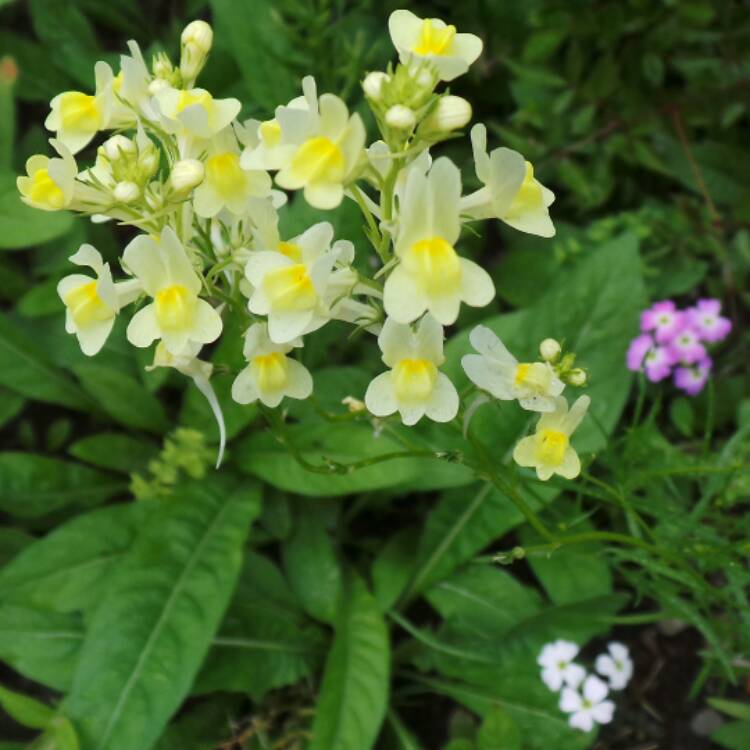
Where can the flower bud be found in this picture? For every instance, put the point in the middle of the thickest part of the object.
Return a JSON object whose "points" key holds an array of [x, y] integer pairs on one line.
{"points": [[550, 350], [126, 192], [162, 66], [400, 117], [117, 146], [354, 405], [199, 34], [450, 113], [148, 162], [157, 85], [197, 38], [186, 175], [373, 85], [577, 377]]}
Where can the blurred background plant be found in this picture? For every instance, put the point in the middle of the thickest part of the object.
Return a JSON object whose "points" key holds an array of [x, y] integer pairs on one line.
{"points": [[635, 112]]}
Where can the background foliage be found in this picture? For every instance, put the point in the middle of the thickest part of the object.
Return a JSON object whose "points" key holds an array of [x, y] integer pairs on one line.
{"points": [[288, 597]]}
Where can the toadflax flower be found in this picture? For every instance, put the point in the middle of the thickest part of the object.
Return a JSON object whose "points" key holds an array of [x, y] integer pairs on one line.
{"points": [[177, 315], [549, 450], [270, 375], [413, 386], [431, 276], [663, 319], [195, 112], [497, 371], [558, 668], [511, 193], [49, 184], [706, 319], [616, 665], [91, 304], [589, 707], [432, 40]]}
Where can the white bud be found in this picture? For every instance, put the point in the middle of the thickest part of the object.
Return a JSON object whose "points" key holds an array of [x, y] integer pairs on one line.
{"points": [[126, 192], [400, 117], [373, 85], [354, 405], [199, 34], [148, 161], [157, 85], [577, 377], [196, 44], [162, 66], [186, 175], [550, 350], [117, 146], [424, 78], [450, 113]]}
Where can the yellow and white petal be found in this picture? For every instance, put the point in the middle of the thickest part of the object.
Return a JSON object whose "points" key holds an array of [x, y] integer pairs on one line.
{"points": [[177, 263], [444, 307], [207, 323], [537, 222], [570, 467], [143, 328], [404, 28], [403, 298], [429, 340], [443, 404], [300, 382], [445, 186], [396, 342], [380, 397], [244, 390], [477, 288], [524, 454]]}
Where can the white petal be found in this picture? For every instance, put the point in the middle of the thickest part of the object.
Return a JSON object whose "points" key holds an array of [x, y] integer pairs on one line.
{"points": [[574, 675], [179, 268], [143, 329], [323, 195], [380, 397], [445, 188], [411, 413], [605, 665], [581, 720], [300, 382], [142, 259], [603, 712], [552, 678], [395, 341], [532, 222], [508, 171], [429, 340], [243, 387], [477, 289], [402, 298], [93, 337], [570, 700], [207, 326], [619, 651], [443, 404], [286, 325], [594, 689], [404, 27], [487, 376], [485, 341]]}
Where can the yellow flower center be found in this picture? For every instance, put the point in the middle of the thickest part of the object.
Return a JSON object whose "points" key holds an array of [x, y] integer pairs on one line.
{"points": [[86, 306], [433, 40], [529, 196], [271, 371], [270, 132], [195, 96], [414, 379], [79, 112], [550, 447], [319, 159], [534, 376], [435, 263], [290, 288], [175, 308], [224, 173], [291, 250], [45, 191]]}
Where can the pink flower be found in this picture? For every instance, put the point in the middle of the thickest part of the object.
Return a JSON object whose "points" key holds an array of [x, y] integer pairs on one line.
{"points": [[686, 347], [658, 364], [693, 379], [705, 318], [664, 319], [637, 350]]}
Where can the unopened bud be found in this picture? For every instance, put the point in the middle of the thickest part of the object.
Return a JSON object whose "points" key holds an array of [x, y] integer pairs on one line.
{"points": [[354, 404], [162, 66], [157, 85], [450, 113], [550, 350], [126, 192], [117, 146], [197, 38], [148, 161], [186, 175], [577, 377], [373, 85], [400, 117]]}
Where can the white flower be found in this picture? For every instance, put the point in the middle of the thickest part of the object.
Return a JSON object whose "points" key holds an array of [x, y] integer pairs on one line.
{"points": [[177, 315], [195, 111], [77, 117], [431, 276], [91, 304], [558, 668], [498, 372], [588, 708], [226, 184], [290, 282], [433, 40], [270, 375], [328, 143], [616, 666], [510, 192], [49, 184], [413, 386], [549, 450]]}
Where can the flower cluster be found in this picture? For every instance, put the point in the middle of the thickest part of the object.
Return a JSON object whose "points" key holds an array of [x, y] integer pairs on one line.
{"points": [[673, 342], [204, 191], [585, 696]]}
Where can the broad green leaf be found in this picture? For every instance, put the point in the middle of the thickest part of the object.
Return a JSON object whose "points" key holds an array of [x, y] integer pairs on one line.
{"points": [[735, 709], [391, 569], [151, 632], [26, 711], [114, 451], [310, 561], [354, 693], [498, 732], [205, 726], [10, 405], [735, 735], [32, 485], [12, 541]]}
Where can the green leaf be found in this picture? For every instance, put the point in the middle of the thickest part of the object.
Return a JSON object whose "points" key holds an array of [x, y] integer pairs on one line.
{"points": [[392, 568], [22, 226], [164, 603], [27, 370], [114, 451], [10, 405], [498, 732], [12, 541], [735, 709], [735, 735], [311, 563], [354, 693], [32, 486], [26, 711]]}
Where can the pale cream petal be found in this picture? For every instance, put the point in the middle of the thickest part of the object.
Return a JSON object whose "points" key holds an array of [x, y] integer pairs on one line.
{"points": [[314, 241], [416, 212], [486, 342], [243, 387], [395, 341], [143, 329], [429, 340], [353, 143], [67, 284], [445, 189], [411, 413], [179, 268], [143, 260], [93, 337], [466, 46], [403, 300], [444, 308], [524, 454], [449, 67], [508, 171], [404, 28], [334, 116], [477, 289], [260, 263], [479, 148], [324, 195], [300, 382], [380, 397], [88, 255], [207, 325], [533, 222], [570, 467], [206, 201], [577, 413], [443, 404], [287, 325], [487, 376]]}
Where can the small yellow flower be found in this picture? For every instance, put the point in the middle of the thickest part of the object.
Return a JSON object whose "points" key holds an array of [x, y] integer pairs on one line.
{"points": [[195, 112], [50, 183]]}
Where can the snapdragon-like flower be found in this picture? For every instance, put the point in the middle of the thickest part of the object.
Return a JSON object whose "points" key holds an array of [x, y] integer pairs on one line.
{"points": [[588, 707], [705, 318], [616, 665], [495, 370], [270, 375], [49, 184], [549, 450], [413, 386], [177, 315], [558, 667], [328, 144], [225, 183], [290, 282], [431, 276], [511, 193], [91, 304], [195, 112], [432, 40]]}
